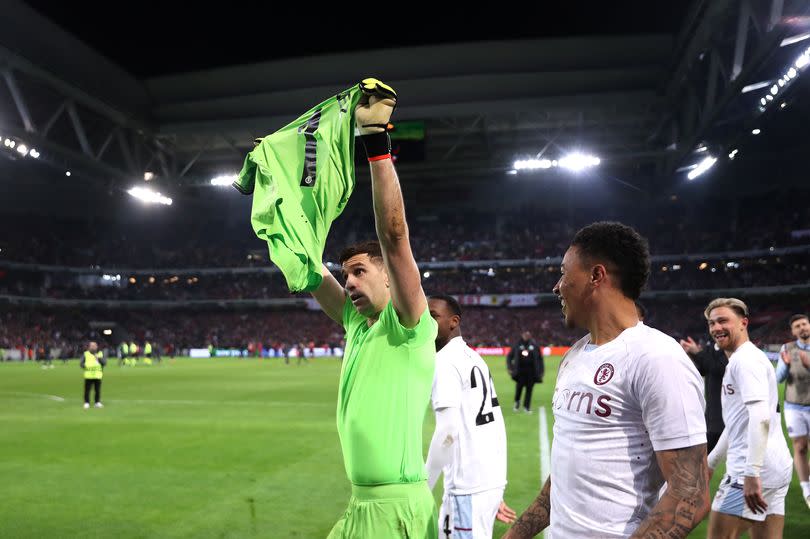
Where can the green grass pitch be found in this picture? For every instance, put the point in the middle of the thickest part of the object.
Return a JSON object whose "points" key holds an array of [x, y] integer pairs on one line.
{"points": [[208, 448]]}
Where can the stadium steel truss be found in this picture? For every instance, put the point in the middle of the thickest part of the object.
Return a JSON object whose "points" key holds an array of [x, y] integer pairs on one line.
{"points": [[642, 103]]}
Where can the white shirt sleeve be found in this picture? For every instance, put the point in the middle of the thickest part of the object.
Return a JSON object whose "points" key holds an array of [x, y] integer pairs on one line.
{"points": [[782, 368], [447, 385], [759, 423], [669, 392], [751, 378], [440, 453]]}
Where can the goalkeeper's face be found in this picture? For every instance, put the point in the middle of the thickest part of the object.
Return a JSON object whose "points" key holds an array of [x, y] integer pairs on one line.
{"points": [[366, 284]]}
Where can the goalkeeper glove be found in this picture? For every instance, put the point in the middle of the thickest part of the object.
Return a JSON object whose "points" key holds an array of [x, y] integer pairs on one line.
{"points": [[372, 115]]}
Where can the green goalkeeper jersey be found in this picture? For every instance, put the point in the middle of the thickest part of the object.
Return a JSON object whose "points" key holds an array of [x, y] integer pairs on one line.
{"points": [[385, 386], [301, 178]]}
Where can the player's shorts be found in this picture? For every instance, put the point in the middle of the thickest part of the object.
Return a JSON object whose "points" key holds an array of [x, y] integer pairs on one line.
{"points": [[729, 500], [797, 420], [401, 510], [469, 516]]}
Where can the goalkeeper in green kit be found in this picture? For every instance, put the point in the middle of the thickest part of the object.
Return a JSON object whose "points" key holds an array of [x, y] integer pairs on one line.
{"points": [[387, 372]]}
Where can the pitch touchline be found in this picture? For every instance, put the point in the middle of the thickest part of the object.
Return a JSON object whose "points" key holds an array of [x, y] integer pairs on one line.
{"points": [[545, 451], [545, 448], [35, 395], [220, 403], [174, 401]]}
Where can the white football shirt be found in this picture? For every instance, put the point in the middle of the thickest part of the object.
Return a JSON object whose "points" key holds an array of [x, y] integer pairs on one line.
{"points": [[750, 377], [614, 406], [462, 380]]}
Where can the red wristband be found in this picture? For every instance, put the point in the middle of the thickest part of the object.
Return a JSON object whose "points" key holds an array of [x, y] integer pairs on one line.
{"points": [[379, 158]]}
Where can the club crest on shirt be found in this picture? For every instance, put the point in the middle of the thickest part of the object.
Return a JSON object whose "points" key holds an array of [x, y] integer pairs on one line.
{"points": [[603, 374]]}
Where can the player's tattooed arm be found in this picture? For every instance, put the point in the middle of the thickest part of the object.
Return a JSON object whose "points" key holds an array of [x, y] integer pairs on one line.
{"points": [[404, 279], [686, 501], [534, 519]]}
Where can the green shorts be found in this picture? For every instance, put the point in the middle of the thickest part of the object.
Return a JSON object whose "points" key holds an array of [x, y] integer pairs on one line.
{"points": [[400, 510]]}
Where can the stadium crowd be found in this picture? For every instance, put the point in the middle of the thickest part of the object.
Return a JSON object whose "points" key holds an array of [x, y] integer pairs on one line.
{"points": [[685, 275], [439, 235], [681, 229], [179, 329]]}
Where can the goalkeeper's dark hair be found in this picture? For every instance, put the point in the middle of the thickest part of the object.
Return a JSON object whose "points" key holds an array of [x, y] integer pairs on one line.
{"points": [[370, 247], [797, 317], [452, 303], [621, 249]]}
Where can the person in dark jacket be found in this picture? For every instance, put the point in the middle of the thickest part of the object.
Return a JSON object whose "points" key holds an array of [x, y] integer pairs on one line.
{"points": [[525, 365], [711, 363]]}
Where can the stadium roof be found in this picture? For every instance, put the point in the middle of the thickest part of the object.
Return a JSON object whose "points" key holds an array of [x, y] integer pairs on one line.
{"points": [[184, 95]]}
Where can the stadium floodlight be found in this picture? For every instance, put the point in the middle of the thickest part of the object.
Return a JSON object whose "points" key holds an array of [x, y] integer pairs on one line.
{"points": [[755, 86], [702, 167], [703, 266], [426, 274], [11, 143], [676, 267], [733, 153], [511, 172], [148, 176], [701, 149], [22, 149], [577, 162], [67, 173], [107, 332], [223, 181], [756, 131], [148, 196], [782, 105], [794, 39], [34, 153], [532, 164], [786, 79]]}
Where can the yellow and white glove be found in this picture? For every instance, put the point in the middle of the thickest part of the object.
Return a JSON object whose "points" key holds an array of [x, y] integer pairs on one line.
{"points": [[372, 115], [375, 106]]}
